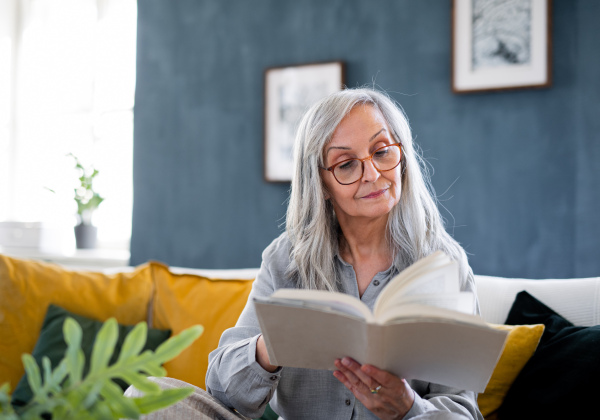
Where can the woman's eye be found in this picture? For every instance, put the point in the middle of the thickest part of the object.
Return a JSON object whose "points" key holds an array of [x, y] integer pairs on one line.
{"points": [[347, 166], [382, 152]]}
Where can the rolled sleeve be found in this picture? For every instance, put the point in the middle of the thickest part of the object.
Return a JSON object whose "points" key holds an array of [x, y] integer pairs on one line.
{"points": [[445, 399], [242, 383]]}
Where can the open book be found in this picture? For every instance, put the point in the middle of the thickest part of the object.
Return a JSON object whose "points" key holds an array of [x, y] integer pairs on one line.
{"points": [[421, 327]]}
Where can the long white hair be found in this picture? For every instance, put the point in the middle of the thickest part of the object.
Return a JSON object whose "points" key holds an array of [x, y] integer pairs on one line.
{"points": [[415, 228]]}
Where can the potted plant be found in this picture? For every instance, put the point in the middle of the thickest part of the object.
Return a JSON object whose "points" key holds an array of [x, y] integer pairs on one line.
{"points": [[88, 201]]}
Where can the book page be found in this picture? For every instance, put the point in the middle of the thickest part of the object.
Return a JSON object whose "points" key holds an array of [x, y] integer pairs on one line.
{"points": [[460, 302], [334, 301], [443, 279], [435, 274], [417, 312]]}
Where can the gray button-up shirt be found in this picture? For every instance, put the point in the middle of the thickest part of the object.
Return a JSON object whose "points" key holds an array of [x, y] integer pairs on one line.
{"points": [[235, 378]]}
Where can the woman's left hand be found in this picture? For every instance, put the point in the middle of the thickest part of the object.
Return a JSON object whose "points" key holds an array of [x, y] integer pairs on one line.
{"points": [[384, 394]]}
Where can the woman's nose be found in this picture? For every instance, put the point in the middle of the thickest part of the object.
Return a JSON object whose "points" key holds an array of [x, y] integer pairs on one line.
{"points": [[370, 172]]}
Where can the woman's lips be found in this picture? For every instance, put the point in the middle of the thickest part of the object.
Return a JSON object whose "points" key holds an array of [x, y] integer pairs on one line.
{"points": [[376, 194]]}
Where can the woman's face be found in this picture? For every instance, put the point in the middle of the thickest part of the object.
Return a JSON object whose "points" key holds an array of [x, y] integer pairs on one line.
{"points": [[359, 134]]}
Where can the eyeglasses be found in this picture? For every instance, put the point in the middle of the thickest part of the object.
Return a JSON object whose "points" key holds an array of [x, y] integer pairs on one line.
{"points": [[383, 159]]}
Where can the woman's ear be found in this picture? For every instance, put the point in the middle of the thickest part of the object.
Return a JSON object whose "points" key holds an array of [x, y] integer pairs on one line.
{"points": [[326, 194]]}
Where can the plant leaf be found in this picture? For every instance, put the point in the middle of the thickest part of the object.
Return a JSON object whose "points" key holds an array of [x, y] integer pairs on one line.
{"points": [[153, 370], [50, 384], [60, 372], [134, 342], [78, 373], [104, 345], [118, 403], [4, 393], [33, 373], [64, 395], [175, 345], [59, 408], [102, 411], [75, 396], [92, 396], [150, 403], [6, 410], [72, 333], [47, 370], [140, 381]]}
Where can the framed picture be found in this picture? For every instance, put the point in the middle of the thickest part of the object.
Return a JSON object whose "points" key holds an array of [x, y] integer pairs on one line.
{"points": [[289, 92], [499, 44]]}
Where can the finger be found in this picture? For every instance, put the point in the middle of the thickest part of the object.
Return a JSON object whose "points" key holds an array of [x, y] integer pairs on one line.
{"points": [[372, 402], [349, 374], [347, 383], [344, 380], [356, 368], [386, 379], [386, 405], [352, 378], [378, 405]]}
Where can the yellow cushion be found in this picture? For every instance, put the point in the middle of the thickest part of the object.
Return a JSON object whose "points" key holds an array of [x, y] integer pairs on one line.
{"points": [[520, 345], [28, 287], [183, 300]]}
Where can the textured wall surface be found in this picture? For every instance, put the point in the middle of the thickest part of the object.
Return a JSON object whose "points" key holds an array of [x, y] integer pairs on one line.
{"points": [[516, 172]]}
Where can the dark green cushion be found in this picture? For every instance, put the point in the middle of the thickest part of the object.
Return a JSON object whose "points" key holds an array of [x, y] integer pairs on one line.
{"points": [[52, 344]]}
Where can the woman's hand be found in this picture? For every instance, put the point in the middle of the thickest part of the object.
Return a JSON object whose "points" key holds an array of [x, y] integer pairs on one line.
{"points": [[384, 394], [262, 357]]}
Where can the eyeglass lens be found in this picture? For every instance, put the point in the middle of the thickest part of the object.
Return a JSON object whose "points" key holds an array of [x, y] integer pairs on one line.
{"points": [[383, 159]]}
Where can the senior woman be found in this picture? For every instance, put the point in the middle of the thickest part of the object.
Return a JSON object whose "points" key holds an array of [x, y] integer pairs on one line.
{"points": [[360, 211]]}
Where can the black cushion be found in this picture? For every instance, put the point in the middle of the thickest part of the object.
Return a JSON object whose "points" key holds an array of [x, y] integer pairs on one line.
{"points": [[564, 372]]}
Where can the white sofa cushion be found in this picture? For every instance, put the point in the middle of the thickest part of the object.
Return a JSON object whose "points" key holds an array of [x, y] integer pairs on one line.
{"points": [[223, 274], [577, 300]]}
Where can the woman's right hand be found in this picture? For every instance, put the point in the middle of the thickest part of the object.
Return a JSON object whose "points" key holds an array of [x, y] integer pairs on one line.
{"points": [[262, 357], [381, 392]]}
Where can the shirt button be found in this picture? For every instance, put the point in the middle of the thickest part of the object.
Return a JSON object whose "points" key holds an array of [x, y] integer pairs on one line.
{"points": [[376, 282], [274, 377], [348, 402]]}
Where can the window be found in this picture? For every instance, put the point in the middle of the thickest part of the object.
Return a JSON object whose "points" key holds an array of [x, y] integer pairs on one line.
{"points": [[67, 82]]}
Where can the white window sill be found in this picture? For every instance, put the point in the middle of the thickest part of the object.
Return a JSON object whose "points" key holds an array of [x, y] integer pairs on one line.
{"points": [[82, 259]]}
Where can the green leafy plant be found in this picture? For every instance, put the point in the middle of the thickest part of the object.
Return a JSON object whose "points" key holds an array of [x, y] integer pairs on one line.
{"points": [[87, 199], [65, 394]]}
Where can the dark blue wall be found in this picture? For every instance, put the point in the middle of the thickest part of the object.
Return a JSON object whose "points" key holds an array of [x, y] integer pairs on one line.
{"points": [[517, 171]]}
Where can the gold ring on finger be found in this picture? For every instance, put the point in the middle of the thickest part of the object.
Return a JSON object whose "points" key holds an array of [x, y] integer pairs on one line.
{"points": [[375, 390]]}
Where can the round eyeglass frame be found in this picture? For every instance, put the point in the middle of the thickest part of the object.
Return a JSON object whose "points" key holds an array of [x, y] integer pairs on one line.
{"points": [[362, 162]]}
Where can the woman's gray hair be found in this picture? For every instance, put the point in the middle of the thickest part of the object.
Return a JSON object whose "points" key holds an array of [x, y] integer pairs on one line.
{"points": [[415, 228]]}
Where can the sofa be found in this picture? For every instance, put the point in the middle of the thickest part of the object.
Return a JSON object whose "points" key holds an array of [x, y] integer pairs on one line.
{"points": [[172, 299]]}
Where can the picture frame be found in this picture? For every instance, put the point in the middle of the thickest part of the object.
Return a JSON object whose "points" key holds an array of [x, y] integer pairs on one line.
{"points": [[500, 45], [289, 92]]}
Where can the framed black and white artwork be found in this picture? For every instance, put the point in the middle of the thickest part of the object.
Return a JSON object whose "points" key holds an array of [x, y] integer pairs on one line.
{"points": [[289, 92], [500, 44]]}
